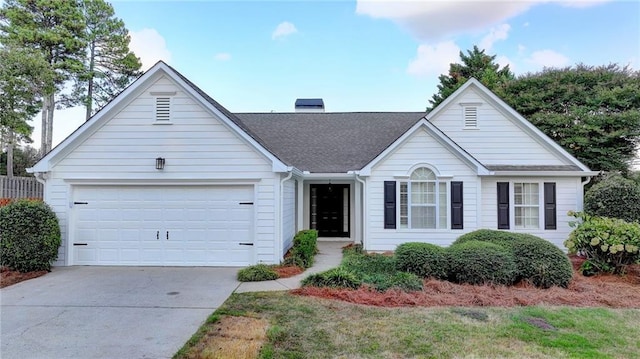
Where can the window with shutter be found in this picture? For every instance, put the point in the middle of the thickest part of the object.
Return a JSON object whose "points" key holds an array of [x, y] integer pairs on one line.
{"points": [[503, 205], [549, 205], [390, 204], [457, 219]]}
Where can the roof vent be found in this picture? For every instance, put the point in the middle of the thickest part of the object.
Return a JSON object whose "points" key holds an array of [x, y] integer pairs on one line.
{"points": [[309, 105]]}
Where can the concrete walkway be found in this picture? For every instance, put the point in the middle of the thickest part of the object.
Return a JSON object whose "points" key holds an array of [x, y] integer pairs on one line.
{"points": [[329, 256]]}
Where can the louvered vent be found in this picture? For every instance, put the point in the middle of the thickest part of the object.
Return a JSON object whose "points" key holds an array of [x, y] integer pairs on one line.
{"points": [[163, 108], [470, 117]]}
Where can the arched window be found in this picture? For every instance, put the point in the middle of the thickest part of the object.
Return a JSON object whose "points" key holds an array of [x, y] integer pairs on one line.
{"points": [[423, 201]]}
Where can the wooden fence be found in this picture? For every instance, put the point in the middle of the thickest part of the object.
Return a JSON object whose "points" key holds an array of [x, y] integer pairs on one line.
{"points": [[20, 187]]}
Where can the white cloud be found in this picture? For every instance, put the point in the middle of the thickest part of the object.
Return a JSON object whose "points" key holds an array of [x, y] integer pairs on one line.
{"points": [[495, 34], [223, 56], [150, 47], [437, 19], [547, 58], [283, 29], [504, 61], [434, 60]]}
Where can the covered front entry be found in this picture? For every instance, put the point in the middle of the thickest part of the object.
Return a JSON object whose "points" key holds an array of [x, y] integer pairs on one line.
{"points": [[330, 210]]}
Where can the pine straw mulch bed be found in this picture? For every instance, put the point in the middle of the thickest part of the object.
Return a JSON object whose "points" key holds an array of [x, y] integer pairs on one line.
{"points": [[287, 271], [604, 290], [9, 277]]}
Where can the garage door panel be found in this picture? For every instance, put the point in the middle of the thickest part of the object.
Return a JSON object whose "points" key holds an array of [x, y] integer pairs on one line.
{"points": [[129, 225]]}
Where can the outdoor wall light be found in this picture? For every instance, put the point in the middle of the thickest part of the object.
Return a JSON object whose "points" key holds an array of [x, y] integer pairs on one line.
{"points": [[160, 163]]}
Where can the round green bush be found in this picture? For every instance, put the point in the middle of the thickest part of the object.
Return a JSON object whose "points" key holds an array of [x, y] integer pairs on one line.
{"points": [[614, 197], [29, 236], [422, 259], [484, 235], [257, 273], [477, 262], [338, 277], [540, 262]]}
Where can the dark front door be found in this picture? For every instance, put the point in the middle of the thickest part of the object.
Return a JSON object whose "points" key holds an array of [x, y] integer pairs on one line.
{"points": [[330, 209]]}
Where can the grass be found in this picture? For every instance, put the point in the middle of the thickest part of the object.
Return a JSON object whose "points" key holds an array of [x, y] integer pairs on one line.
{"points": [[308, 327]]}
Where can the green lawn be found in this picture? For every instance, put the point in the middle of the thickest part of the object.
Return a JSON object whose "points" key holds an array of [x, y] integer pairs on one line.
{"points": [[306, 327]]}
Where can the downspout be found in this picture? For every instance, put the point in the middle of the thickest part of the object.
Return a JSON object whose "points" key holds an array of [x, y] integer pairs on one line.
{"points": [[584, 183], [281, 212], [364, 207]]}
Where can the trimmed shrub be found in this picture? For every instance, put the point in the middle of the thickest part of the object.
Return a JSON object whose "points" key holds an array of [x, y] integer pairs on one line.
{"points": [[404, 281], [29, 236], [609, 244], [614, 197], [335, 278], [539, 261], [422, 259], [477, 262], [257, 273], [363, 264], [484, 235], [305, 247]]}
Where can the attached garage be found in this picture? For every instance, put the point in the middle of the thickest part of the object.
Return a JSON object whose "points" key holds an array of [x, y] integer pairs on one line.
{"points": [[163, 225]]}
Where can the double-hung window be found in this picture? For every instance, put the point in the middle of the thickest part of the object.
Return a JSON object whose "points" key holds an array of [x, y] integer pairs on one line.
{"points": [[526, 205], [532, 205], [423, 201]]}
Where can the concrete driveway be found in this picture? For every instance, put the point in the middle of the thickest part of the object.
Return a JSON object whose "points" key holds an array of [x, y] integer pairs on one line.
{"points": [[109, 312]]}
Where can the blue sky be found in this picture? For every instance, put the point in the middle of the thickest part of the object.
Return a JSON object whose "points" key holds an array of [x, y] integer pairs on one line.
{"points": [[259, 56]]}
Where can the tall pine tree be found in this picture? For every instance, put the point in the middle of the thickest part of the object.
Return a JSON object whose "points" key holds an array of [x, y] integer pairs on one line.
{"points": [[475, 64], [108, 65], [55, 29]]}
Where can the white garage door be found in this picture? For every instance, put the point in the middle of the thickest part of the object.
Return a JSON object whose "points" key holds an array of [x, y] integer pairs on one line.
{"points": [[163, 225]]}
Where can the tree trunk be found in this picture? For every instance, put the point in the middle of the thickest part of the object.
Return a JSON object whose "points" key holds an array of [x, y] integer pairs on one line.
{"points": [[89, 102], [43, 135], [50, 121], [10, 144]]}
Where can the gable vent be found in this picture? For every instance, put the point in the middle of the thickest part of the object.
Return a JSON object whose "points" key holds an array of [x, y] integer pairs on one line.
{"points": [[470, 117], [163, 108]]}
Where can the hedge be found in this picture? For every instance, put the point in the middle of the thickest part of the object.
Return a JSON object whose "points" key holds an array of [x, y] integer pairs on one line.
{"points": [[29, 236], [614, 197], [422, 259], [477, 262]]}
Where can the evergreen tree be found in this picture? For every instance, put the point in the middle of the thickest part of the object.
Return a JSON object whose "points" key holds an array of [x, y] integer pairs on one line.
{"points": [[108, 65], [475, 64], [593, 112], [24, 76], [56, 30]]}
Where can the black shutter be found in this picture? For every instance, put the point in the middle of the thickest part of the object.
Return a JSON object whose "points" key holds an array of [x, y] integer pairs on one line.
{"points": [[456, 206], [390, 204], [503, 205], [549, 205]]}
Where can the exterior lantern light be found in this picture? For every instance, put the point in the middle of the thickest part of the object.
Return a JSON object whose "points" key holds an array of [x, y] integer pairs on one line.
{"points": [[160, 163]]}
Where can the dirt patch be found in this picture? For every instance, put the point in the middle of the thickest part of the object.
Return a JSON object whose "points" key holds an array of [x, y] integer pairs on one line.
{"points": [[287, 271], [604, 290], [232, 337], [9, 277], [540, 323]]}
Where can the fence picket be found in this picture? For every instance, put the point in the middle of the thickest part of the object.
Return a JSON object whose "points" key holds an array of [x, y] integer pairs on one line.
{"points": [[20, 187]]}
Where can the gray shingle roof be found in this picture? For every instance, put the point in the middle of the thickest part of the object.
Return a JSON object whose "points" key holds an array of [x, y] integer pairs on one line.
{"points": [[533, 168], [330, 142]]}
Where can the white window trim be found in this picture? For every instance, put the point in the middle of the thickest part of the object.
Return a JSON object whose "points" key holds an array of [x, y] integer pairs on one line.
{"points": [[438, 181], [512, 206]]}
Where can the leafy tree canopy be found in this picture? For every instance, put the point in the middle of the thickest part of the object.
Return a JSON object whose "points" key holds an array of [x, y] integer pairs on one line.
{"points": [[475, 64], [23, 158], [591, 111]]}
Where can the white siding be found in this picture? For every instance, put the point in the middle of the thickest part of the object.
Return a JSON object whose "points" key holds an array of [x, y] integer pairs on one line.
{"points": [[568, 198], [497, 139], [196, 145], [288, 214], [421, 148]]}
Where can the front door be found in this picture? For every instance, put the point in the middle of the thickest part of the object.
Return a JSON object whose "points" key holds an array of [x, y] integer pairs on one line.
{"points": [[330, 209]]}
